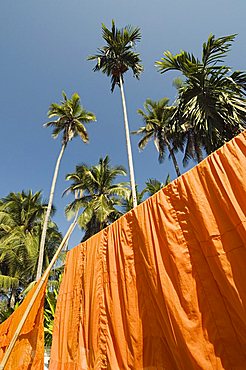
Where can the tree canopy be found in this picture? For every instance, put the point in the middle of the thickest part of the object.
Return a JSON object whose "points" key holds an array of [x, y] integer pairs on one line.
{"points": [[98, 194], [117, 56], [211, 101]]}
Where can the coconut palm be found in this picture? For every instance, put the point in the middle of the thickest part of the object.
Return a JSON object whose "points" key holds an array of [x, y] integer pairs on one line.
{"points": [[157, 117], [71, 117], [127, 202], [115, 59], [211, 101], [189, 141], [21, 220], [99, 195], [154, 185]]}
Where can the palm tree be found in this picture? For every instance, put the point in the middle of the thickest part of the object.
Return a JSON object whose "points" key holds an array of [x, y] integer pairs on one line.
{"points": [[211, 101], [154, 185], [115, 59], [70, 122], [127, 202], [189, 141], [159, 126], [99, 195], [21, 220]]}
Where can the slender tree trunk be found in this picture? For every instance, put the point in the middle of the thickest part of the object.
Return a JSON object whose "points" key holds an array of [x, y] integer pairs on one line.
{"points": [[47, 215], [128, 145], [12, 298], [175, 163], [196, 143], [198, 152]]}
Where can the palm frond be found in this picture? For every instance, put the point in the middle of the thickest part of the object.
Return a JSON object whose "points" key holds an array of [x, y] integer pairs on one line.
{"points": [[8, 282], [214, 50], [71, 117], [117, 57]]}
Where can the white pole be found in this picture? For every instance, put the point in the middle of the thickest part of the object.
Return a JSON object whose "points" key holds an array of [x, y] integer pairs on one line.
{"points": [[128, 144]]}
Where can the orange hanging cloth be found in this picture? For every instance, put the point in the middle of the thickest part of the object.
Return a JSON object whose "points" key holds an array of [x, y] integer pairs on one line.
{"points": [[164, 286], [28, 352]]}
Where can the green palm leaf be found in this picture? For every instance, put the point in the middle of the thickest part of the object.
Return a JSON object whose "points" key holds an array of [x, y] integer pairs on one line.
{"points": [[71, 118], [116, 57], [100, 194], [211, 101]]}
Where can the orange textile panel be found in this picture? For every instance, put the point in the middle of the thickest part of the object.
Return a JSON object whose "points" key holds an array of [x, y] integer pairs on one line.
{"points": [[28, 352], [164, 287]]}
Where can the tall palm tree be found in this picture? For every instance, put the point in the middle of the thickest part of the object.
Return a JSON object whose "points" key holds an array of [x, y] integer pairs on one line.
{"points": [[99, 195], [211, 101], [21, 220], [115, 59], [159, 126], [70, 122]]}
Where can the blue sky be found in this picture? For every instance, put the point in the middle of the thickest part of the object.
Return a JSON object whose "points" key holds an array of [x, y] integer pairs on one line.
{"points": [[44, 46]]}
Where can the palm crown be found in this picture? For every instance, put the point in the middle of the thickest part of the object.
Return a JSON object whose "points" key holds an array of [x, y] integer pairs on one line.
{"points": [[71, 118], [212, 99], [158, 119], [154, 185], [117, 57], [26, 209], [98, 194], [21, 219]]}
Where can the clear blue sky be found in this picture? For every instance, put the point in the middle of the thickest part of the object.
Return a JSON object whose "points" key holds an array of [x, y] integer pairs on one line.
{"points": [[44, 45]]}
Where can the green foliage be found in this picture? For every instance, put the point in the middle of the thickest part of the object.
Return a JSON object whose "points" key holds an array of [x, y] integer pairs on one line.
{"points": [[211, 103], [21, 220], [158, 119], [49, 313], [5, 310], [99, 195], [116, 57], [71, 118], [154, 185], [127, 202], [8, 282]]}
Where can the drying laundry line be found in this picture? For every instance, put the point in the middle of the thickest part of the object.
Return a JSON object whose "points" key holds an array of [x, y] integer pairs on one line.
{"points": [[40, 284]]}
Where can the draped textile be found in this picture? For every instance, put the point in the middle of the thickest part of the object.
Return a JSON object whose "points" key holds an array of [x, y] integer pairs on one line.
{"points": [[28, 352], [164, 287]]}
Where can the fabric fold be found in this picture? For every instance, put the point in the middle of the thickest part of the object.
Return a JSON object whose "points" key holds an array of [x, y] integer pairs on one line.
{"points": [[28, 351], [164, 286]]}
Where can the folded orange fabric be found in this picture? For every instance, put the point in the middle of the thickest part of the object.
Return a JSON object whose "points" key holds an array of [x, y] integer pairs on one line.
{"points": [[164, 286], [28, 352]]}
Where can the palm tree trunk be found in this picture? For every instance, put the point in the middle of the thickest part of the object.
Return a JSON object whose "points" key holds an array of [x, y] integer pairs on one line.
{"points": [[175, 163], [198, 152], [47, 215], [128, 145], [12, 299]]}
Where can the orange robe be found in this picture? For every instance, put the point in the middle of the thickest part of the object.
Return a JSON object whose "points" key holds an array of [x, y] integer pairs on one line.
{"points": [[164, 287], [28, 352]]}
